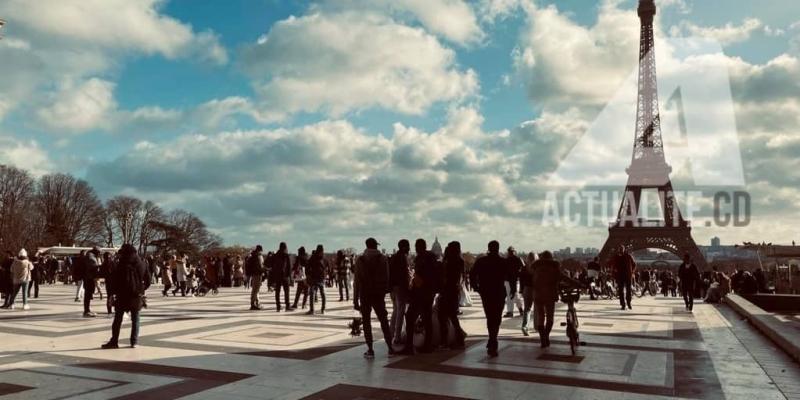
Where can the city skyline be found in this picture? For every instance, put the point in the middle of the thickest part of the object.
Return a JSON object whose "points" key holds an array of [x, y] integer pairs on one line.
{"points": [[274, 122]]}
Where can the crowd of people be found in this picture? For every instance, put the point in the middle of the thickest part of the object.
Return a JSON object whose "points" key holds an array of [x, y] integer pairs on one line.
{"points": [[424, 289]]}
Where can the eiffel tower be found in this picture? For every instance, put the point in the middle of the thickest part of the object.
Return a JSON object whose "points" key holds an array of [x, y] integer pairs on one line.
{"points": [[649, 169]]}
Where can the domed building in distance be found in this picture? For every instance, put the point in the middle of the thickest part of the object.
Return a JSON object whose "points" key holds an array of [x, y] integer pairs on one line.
{"points": [[436, 248]]}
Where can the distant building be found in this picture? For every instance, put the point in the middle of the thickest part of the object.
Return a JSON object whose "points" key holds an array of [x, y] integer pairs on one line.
{"points": [[436, 248], [715, 242]]}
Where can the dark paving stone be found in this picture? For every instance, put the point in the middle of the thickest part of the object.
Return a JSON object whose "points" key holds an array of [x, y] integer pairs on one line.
{"points": [[353, 392], [9, 388]]}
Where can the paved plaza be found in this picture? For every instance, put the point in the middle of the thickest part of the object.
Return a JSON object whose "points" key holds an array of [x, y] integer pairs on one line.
{"points": [[214, 348]]}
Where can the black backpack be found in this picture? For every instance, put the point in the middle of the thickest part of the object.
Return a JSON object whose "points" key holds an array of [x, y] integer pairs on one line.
{"points": [[129, 279], [252, 267]]}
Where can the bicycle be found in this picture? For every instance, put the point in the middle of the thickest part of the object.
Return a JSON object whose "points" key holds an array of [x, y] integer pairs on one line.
{"points": [[570, 296]]}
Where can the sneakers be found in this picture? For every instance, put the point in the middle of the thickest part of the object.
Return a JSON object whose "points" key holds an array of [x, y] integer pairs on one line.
{"points": [[629, 306], [322, 312], [26, 307], [110, 345], [89, 315], [133, 345], [524, 331], [309, 312], [508, 315], [492, 353], [369, 355]]}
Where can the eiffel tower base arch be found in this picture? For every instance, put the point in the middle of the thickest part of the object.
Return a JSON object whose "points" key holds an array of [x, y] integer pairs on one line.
{"points": [[676, 240]]}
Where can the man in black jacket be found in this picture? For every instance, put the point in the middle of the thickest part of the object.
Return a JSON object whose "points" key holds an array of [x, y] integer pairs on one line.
{"points": [[315, 274], [514, 265], [371, 286], [423, 289], [281, 271], [689, 275], [129, 281], [488, 277]]}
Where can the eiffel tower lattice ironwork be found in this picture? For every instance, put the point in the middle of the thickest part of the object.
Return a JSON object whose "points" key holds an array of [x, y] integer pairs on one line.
{"points": [[649, 169]]}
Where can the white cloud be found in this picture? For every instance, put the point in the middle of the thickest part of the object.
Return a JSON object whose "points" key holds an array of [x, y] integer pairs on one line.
{"points": [[493, 10], [349, 61], [726, 34], [454, 20], [564, 62], [27, 155], [110, 24], [80, 107], [50, 42]]}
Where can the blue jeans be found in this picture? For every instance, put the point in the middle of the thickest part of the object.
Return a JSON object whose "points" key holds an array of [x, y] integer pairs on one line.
{"points": [[17, 287], [317, 287]]}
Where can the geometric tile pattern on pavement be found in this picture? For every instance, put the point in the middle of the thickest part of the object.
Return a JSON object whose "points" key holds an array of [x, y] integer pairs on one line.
{"points": [[215, 348]]}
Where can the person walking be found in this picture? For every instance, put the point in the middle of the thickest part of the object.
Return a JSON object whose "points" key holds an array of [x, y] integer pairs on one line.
{"points": [[181, 273], [488, 277], [399, 281], [624, 267], [448, 295], [423, 289], [91, 271], [689, 275], [21, 271], [6, 281], [317, 265], [78, 267], [369, 293], [528, 292], [342, 272], [281, 274], [37, 275], [254, 266], [299, 276], [105, 272], [129, 282], [593, 274], [546, 277], [514, 267], [166, 274]]}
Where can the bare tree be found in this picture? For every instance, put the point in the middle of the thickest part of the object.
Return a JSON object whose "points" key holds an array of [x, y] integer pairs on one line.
{"points": [[71, 211], [18, 226], [151, 214], [126, 214]]}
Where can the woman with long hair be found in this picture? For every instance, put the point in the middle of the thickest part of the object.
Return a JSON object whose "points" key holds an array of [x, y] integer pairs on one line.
{"points": [[449, 293], [299, 276]]}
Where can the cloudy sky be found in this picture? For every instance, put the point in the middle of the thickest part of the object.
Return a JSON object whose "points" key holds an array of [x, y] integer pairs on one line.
{"points": [[328, 121]]}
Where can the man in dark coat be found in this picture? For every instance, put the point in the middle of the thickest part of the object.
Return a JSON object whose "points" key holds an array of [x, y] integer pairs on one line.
{"points": [[689, 275], [546, 278], [91, 271], [423, 289], [280, 273], [488, 277], [371, 285], [514, 265], [315, 275], [129, 281], [624, 267]]}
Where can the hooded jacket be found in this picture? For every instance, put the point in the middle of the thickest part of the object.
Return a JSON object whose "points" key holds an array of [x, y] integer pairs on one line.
{"points": [[21, 270]]}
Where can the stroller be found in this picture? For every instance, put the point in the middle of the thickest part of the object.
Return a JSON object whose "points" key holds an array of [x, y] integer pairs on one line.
{"points": [[207, 287]]}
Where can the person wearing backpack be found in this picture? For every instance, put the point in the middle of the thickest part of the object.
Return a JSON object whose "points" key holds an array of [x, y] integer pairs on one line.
{"points": [[255, 268], [129, 281], [371, 286]]}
